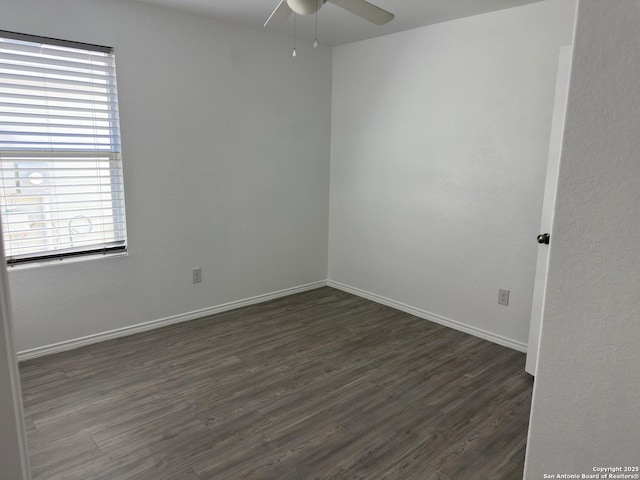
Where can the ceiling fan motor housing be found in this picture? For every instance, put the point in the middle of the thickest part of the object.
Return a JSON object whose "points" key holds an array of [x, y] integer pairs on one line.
{"points": [[305, 7]]}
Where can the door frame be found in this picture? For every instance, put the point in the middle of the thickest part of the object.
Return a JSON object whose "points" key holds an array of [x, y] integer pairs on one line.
{"points": [[14, 456]]}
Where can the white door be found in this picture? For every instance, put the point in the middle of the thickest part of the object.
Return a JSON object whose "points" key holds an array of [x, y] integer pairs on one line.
{"points": [[548, 206]]}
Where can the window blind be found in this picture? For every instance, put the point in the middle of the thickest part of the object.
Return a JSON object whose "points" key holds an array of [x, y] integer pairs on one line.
{"points": [[61, 188]]}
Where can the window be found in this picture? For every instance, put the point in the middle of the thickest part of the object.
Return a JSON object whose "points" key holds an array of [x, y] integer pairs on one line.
{"points": [[61, 188]]}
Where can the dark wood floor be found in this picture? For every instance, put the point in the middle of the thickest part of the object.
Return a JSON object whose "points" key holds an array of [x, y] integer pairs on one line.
{"points": [[320, 385]]}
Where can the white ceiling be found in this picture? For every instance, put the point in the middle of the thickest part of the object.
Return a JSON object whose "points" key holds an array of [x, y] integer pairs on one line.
{"points": [[337, 26]]}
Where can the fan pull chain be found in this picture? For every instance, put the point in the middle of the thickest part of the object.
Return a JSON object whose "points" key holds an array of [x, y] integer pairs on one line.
{"points": [[315, 42], [294, 54]]}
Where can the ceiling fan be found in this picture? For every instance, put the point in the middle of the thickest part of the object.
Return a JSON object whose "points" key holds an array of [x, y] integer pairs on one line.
{"points": [[363, 9]]}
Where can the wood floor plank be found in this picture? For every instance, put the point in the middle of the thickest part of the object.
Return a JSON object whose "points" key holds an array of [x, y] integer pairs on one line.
{"points": [[318, 385], [470, 449], [156, 435], [52, 453], [514, 448], [498, 467]]}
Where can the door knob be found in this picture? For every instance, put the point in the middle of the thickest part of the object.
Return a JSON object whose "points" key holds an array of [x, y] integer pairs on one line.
{"points": [[543, 238]]}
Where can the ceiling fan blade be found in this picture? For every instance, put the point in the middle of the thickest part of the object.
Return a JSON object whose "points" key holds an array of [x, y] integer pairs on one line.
{"points": [[365, 10], [280, 14]]}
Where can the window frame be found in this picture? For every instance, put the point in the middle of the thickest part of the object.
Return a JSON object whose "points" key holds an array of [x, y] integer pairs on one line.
{"points": [[119, 244]]}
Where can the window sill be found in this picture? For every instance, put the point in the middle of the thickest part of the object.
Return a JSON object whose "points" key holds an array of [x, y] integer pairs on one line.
{"points": [[65, 261]]}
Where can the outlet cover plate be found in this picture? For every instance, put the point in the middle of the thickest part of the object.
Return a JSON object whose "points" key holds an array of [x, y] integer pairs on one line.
{"points": [[196, 275], [503, 297]]}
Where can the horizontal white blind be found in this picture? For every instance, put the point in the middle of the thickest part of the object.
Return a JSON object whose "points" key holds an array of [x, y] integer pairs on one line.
{"points": [[61, 185]]}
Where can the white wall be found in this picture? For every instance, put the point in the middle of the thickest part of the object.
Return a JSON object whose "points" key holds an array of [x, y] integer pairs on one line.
{"points": [[586, 404], [226, 161], [439, 149]]}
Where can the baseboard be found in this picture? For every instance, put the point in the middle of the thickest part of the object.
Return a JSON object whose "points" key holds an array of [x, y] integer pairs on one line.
{"points": [[447, 322], [225, 307], [162, 322]]}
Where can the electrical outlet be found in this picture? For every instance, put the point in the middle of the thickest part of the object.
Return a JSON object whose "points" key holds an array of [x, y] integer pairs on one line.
{"points": [[196, 275], [503, 297]]}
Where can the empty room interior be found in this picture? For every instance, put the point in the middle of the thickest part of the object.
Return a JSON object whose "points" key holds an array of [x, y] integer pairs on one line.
{"points": [[385, 240]]}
